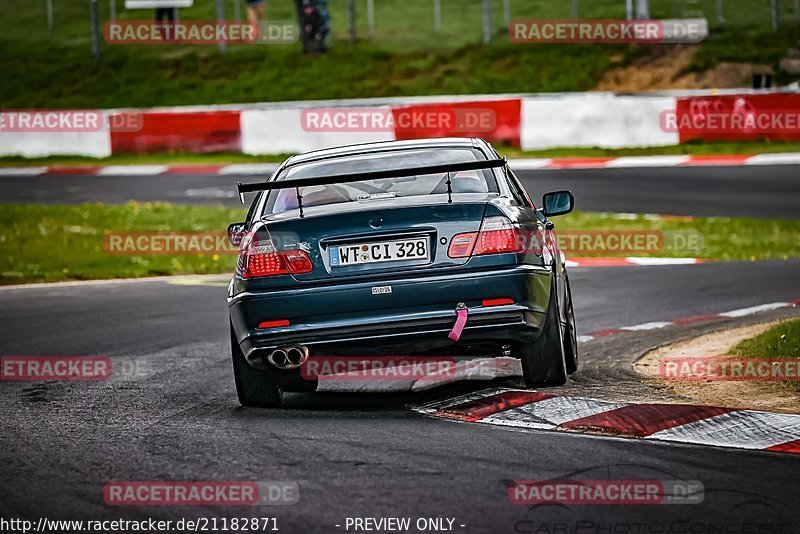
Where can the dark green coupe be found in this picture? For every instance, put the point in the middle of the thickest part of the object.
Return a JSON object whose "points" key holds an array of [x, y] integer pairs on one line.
{"points": [[384, 249]]}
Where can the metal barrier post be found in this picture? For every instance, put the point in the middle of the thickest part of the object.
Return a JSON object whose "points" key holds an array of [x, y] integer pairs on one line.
{"points": [[487, 22], [220, 18], [95, 19], [50, 18], [351, 10], [776, 15]]}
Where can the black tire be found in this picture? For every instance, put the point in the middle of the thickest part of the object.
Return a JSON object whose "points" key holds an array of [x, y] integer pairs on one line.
{"points": [[543, 362], [570, 335], [258, 389]]}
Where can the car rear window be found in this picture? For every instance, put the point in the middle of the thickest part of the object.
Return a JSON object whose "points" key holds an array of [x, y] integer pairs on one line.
{"points": [[481, 181]]}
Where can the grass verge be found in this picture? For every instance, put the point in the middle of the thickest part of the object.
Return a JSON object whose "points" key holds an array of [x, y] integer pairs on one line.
{"points": [[782, 341], [53, 243], [779, 342], [405, 55]]}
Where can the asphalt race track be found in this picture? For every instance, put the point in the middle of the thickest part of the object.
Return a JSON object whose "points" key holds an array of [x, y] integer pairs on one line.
{"points": [[754, 191], [768, 192], [142, 317], [169, 412]]}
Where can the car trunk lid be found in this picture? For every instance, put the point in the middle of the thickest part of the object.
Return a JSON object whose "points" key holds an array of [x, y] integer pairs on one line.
{"points": [[398, 234]]}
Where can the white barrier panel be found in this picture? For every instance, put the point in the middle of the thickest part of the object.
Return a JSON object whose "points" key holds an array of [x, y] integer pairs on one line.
{"points": [[281, 131], [595, 120], [42, 144]]}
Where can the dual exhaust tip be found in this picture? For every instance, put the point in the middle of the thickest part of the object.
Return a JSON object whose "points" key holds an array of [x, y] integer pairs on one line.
{"points": [[290, 357]]}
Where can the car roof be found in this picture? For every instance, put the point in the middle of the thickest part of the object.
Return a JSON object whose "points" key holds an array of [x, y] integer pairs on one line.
{"points": [[375, 147], [385, 146]]}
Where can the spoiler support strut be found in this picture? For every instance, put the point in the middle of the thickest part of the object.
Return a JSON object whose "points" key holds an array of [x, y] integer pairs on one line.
{"points": [[299, 201], [449, 188]]}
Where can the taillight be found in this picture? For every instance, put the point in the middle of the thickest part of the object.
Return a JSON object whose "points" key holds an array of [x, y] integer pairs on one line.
{"points": [[498, 235], [261, 259]]}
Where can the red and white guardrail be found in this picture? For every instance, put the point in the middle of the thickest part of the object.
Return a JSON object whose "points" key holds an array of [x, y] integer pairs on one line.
{"points": [[536, 121]]}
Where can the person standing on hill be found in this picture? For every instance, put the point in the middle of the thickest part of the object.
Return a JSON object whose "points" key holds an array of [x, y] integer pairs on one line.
{"points": [[315, 25], [256, 10]]}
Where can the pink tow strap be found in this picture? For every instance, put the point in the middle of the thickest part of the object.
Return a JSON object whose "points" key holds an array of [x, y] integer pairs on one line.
{"points": [[461, 320]]}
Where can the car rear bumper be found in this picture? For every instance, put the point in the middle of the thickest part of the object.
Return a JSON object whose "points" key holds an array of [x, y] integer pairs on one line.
{"points": [[416, 317]]}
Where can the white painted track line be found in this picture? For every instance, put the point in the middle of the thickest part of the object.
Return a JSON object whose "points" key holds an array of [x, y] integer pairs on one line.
{"points": [[529, 164], [786, 158], [647, 161], [646, 326], [22, 171], [755, 309], [249, 168], [520, 164], [132, 170], [662, 261]]}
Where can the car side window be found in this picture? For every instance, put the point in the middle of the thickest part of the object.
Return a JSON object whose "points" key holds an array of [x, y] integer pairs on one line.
{"points": [[251, 212], [517, 191]]}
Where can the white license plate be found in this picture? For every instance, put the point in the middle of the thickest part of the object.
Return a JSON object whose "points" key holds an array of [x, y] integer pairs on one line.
{"points": [[360, 254]]}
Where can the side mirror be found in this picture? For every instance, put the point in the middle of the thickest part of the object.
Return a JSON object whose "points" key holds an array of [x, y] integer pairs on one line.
{"points": [[236, 233], [557, 203]]}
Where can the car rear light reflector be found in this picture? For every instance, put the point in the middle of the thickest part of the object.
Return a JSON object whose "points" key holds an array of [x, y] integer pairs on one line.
{"points": [[461, 245], [297, 261], [262, 259], [496, 302], [274, 324]]}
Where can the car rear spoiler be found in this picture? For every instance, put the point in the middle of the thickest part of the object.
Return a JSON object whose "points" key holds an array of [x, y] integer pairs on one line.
{"points": [[375, 175]]}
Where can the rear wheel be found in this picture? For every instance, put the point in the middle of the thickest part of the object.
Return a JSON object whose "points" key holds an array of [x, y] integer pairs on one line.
{"points": [[253, 387], [570, 334], [543, 361]]}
